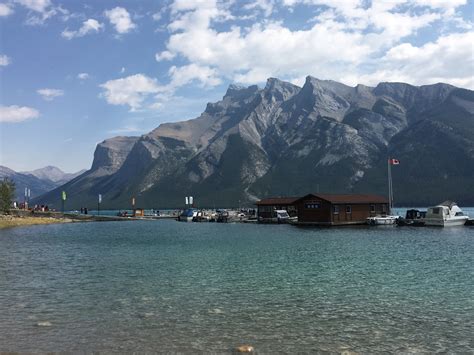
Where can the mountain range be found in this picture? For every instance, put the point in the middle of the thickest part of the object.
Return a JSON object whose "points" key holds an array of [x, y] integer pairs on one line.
{"points": [[286, 140], [39, 181]]}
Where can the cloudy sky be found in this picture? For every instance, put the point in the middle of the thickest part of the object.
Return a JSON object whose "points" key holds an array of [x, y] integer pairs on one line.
{"points": [[73, 73]]}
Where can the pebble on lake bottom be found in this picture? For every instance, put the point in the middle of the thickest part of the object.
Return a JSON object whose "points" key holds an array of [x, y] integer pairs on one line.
{"points": [[245, 349], [44, 324]]}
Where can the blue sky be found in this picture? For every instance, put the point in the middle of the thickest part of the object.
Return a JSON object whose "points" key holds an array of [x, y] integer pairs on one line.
{"points": [[73, 73]]}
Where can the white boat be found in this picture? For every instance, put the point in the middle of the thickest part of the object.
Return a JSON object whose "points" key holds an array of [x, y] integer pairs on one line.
{"points": [[382, 220], [445, 214], [187, 215], [385, 220]]}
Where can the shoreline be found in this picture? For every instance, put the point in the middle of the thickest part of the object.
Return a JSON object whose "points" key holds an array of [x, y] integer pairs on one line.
{"points": [[9, 221], [19, 218]]}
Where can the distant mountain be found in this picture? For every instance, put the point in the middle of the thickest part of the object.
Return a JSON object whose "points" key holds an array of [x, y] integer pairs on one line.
{"points": [[287, 140], [38, 181], [54, 174]]}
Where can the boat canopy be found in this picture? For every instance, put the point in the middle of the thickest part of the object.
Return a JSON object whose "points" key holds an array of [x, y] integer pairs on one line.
{"points": [[188, 213]]}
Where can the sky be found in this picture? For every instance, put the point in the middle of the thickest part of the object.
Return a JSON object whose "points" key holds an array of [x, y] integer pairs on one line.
{"points": [[73, 73]]}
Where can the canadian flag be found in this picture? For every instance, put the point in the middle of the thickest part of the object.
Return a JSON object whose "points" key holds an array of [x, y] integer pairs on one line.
{"points": [[394, 161]]}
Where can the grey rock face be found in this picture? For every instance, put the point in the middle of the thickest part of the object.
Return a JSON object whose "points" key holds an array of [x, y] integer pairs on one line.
{"points": [[110, 155], [286, 140]]}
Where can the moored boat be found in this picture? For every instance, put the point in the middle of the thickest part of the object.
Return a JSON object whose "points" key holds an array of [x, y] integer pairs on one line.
{"points": [[413, 218], [187, 215], [382, 220], [279, 217], [445, 214], [389, 219]]}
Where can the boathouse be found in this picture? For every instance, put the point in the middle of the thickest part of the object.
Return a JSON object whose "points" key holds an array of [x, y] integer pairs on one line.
{"points": [[266, 208], [328, 209], [138, 212]]}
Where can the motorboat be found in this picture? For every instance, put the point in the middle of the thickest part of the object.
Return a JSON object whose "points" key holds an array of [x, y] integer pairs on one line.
{"points": [[445, 214], [204, 216], [382, 220], [413, 218], [279, 216], [187, 215]]}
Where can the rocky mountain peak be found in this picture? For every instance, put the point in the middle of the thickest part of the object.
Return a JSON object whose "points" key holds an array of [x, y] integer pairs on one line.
{"points": [[280, 90], [237, 92], [110, 154]]}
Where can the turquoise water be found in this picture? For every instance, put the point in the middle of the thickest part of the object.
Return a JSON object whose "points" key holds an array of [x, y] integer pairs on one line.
{"points": [[165, 286]]}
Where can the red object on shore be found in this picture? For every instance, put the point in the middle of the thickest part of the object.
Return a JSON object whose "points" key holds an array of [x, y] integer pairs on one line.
{"points": [[394, 161]]}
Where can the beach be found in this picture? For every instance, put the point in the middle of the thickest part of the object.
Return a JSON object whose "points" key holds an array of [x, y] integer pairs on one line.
{"points": [[9, 221]]}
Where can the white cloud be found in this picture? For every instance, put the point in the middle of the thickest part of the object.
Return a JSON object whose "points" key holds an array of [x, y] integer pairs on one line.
{"points": [[449, 59], [157, 16], [88, 26], [120, 18], [50, 94], [43, 10], [83, 76], [206, 76], [265, 5], [165, 55], [4, 60], [131, 90], [347, 40], [35, 5], [16, 114], [5, 10]]}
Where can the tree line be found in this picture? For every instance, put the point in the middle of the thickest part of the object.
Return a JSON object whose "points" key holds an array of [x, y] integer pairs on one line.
{"points": [[7, 194]]}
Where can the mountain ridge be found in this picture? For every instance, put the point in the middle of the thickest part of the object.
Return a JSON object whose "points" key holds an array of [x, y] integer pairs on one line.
{"points": [[38, 181], [285, 140]]}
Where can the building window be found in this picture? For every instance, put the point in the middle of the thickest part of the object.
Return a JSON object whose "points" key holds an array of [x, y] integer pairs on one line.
{"points": [[384, 208], [335, 209], [311, 205], [348, 209], [372, 208]]}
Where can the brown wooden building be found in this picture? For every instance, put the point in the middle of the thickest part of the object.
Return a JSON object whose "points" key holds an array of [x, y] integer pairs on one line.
{"points": [[138, 212], [325, 209], [266, 208]]}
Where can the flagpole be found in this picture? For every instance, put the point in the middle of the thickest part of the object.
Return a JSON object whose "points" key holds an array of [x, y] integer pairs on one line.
{"points": [[391, 189], [389, 186]]}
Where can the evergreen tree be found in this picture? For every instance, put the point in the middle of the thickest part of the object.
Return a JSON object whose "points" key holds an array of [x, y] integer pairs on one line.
{"points": [[7, 193]]}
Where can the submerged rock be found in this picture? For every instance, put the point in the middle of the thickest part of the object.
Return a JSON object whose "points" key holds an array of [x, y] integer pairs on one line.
{"points": [[245, 349], [44, 324]]}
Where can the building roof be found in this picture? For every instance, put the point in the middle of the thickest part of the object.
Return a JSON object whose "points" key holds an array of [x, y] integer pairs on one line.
{"points": [[348, 198], [272, 201]]}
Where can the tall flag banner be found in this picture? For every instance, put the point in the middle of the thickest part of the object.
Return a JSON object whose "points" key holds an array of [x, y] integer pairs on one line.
{"points": [[187, 200], [190, 200], [63, 195], [100, 198], [133, 201], [394, 161]]}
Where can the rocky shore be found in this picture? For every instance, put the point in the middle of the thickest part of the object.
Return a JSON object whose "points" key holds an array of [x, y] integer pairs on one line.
{"points": [[8, 221], [18, 218]]}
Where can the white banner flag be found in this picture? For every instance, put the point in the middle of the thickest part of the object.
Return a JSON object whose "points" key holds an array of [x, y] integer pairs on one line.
{"points": [[187, 201]]}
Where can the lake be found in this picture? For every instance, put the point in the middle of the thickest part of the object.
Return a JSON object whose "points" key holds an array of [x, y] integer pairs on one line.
{"points": [[165, 286]]}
